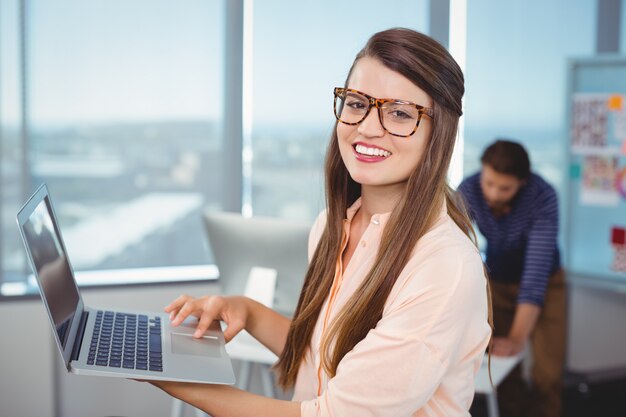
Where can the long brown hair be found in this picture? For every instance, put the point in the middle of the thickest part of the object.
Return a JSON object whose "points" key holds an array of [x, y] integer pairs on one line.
{"points": [[429, 66]]}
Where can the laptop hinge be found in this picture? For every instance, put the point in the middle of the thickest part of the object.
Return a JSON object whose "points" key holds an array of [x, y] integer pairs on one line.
{"points": [[78, 340]]}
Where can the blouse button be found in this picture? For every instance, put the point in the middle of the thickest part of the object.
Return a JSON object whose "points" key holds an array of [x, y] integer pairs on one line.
{"points": [[375, 221], [363, 243]]}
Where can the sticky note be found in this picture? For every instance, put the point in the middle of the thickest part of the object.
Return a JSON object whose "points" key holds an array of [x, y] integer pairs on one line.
{"points": [[574, 171], [615, 102], [618, 235]]}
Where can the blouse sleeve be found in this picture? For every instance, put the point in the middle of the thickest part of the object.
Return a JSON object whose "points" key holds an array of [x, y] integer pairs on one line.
{"points": [[398, 366]]}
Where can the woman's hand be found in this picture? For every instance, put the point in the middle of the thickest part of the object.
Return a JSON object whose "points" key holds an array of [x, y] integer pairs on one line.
{"points": [[232, 310]]}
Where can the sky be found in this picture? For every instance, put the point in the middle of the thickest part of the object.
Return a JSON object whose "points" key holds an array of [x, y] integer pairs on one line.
{"points": [[118, 60], [115, 59]]}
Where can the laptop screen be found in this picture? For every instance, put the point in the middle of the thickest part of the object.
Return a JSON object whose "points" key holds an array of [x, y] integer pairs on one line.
{"points": [[55, 277]]}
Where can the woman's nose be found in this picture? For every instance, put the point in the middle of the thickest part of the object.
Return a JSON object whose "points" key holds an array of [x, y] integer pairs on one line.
{"points": [[371, 125]]}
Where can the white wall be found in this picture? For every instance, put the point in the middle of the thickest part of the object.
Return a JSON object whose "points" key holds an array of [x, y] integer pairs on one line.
{"points": [[26, 374], [597, 326]]}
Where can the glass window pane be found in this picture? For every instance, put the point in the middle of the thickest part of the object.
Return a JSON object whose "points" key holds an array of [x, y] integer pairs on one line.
{"points": [[622, 42], [125, 119], [296, 64], [516, 77], [11, 250], [516, 80]]}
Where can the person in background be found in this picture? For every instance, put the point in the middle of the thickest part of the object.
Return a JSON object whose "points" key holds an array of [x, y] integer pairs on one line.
{"points": [[517, 212], [393, 317]]}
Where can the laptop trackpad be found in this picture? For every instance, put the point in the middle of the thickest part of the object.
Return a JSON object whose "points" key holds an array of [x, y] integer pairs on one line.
{"points": [[188, 345]]}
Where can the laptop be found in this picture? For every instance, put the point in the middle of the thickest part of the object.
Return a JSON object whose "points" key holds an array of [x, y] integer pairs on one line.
{"points": [[106, 342]]}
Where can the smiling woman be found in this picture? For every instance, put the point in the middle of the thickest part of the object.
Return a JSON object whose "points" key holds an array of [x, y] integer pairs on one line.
{"points": [[395, 297]]}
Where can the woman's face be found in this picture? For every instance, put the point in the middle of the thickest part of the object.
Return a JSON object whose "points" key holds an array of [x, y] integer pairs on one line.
{"points": [[374, 157]]}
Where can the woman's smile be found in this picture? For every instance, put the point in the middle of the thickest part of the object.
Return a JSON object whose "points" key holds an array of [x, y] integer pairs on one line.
{"points": [[370, 153]]}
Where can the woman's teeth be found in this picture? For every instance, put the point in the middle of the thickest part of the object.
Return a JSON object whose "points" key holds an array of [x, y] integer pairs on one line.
{"points": [[364, 150]]}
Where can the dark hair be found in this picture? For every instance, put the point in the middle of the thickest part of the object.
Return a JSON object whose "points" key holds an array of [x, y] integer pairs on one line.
{"points": [[430, 66], [507, 157]]}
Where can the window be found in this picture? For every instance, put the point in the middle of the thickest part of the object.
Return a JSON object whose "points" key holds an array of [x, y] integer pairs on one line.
{"points": [[124, 111], [516, 80], [516, 77], [123, 117], [295, 65], [11, 152]]}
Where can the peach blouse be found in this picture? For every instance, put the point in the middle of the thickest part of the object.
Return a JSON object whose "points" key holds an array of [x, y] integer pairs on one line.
{"points": [[422, 356]]}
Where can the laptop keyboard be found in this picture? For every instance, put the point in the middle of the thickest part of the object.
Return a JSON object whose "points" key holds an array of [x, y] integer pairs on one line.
{"points": [[122, 340]]}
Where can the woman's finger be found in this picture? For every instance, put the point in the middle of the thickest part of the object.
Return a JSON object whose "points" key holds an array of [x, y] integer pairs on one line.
{"points": [[187, 309], [233, 328], [211, 311], [177, 303]]}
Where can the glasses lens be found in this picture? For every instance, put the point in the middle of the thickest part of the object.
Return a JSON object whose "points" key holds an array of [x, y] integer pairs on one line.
{"points": [[400, 119], [351, 107]]}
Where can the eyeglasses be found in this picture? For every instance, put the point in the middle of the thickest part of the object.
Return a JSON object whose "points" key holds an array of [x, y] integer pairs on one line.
{"points": [[398, 117]]}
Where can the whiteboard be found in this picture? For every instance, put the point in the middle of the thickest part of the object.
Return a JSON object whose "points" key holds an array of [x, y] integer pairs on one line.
{"points": [[596, 148]]}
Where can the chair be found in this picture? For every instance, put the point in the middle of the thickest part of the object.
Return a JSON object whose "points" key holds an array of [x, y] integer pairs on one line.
{"points": [[240, 244], [259, 287], [272, 254], [501, 366], [266, 260]]}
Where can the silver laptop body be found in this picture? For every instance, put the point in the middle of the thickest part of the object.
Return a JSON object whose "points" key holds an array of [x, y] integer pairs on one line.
{"points": [[183, 358]]}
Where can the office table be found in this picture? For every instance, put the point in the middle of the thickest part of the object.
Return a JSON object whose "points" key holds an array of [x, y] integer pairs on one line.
{"points": [[501, 366]]}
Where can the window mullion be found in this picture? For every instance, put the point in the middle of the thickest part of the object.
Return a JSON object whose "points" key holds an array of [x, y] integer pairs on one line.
{"points": [[232, 167]]}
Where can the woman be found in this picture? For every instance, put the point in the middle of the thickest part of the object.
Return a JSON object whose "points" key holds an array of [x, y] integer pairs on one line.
{"points": [[393, 315]]}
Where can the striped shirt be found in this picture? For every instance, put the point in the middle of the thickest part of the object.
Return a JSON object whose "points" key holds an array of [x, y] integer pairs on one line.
{"points": [[521, 245]]}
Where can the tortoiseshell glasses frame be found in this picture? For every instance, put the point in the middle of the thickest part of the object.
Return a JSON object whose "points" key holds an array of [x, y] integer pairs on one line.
{"points": [[414, 111]]}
